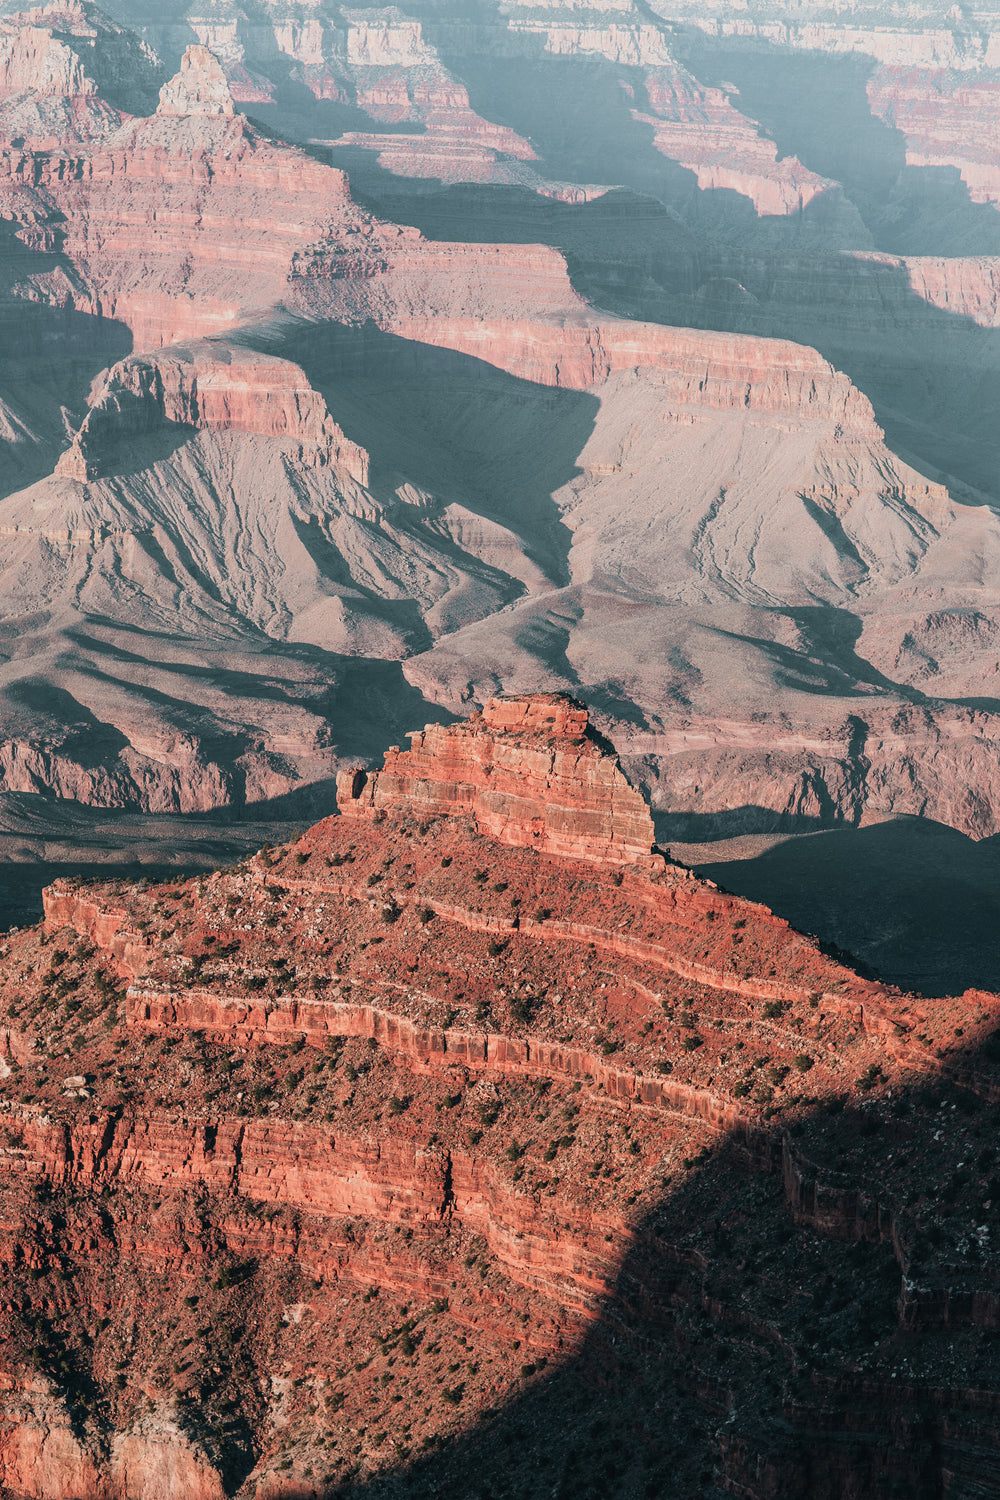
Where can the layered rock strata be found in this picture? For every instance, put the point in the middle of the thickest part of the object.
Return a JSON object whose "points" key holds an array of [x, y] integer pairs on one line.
{"points": [[950, 120], [526, 770], [522, 1136], [200, 88], [67, 73], [724, 371], [214, 387], [756, 483]]}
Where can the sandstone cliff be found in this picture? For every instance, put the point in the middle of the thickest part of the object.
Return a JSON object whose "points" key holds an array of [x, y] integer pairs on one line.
{"points": [[67, 73], [688, 507], [199, 88], [215, 387]]}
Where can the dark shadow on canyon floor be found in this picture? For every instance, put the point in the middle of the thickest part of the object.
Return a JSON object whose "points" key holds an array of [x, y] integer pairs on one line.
{"points": [[916, 900]]}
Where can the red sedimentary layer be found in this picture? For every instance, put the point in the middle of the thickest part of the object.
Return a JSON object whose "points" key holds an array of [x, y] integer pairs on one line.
{"points": [[328, 1174], [700, 129], [697, 368], [949, 120], [526, 770], [406, 1054]]}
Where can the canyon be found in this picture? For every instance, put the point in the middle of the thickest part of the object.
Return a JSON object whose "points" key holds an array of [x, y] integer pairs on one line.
{"points": [[611, 390], [354, 1167], [267, 469]]}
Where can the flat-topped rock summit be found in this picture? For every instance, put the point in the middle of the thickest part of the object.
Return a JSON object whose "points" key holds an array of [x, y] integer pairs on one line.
{"points": [[529, 769]]}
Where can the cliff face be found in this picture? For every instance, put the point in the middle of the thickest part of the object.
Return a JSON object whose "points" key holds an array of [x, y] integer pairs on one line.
{"points": [[32, 58], [703, 369], [214, 388], [703, 131], [949, 119], [528, 773], [67, 73], [199, 88], [403, 1109], [689, 473]]}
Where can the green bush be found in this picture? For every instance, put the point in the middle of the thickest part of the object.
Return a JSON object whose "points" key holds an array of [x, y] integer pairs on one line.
{"points": [[869, 1077], [520, 1009]]}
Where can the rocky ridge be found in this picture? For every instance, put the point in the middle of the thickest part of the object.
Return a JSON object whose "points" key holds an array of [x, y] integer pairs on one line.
{"points": [[526, 770], [364, 1118], [67, 73], [213, 387]]}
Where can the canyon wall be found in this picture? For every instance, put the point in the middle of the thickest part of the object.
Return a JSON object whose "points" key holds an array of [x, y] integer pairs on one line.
{"points": [[363, 1117], [214, 387]]}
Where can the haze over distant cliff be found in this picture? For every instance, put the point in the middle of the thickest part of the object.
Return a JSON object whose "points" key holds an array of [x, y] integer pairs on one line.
{"points": [[403, 356]]}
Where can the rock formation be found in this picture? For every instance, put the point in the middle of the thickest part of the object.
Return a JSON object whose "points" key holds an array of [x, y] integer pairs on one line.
{"points": [[216, 388], [199, 88], [529, 773], [700, 430], [535, 1141], [66, 74]]}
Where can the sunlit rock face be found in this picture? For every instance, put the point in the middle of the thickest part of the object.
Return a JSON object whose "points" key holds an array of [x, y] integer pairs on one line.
{"points": [[526, 770], [618, 384], [471, 1075], [199, 88]]}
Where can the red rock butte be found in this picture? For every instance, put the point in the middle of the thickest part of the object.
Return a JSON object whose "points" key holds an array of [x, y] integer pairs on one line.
{"points": [[529, 769], [312, 1167]]}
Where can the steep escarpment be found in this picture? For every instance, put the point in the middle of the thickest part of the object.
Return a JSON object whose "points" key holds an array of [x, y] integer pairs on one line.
{"points": [[368, 1161], [67, 73], [214, 387], [704, 369], [949, 119], [717, 503]]}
